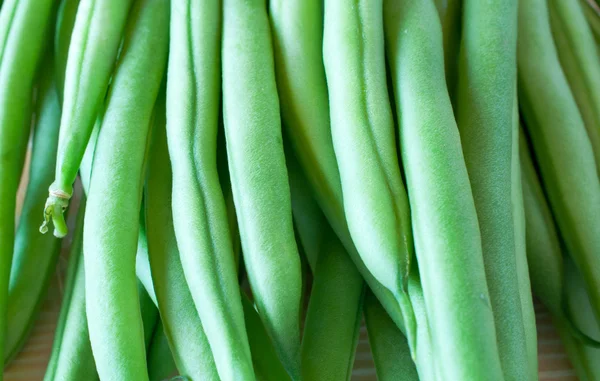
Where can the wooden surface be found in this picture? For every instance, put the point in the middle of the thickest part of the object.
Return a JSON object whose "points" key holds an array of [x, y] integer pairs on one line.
{"points": [[30, 365]]}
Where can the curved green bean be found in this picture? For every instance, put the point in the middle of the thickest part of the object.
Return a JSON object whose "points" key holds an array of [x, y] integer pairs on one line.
{"points": [[445, 226], [22, 36], [580, 58], [160, 360], [485, 117], [35, 255], [560, 142], [258, 174], [201, 226], [111, 233], [297, 28], [390, 348], [362, 128], [183, 328], [93, 49]]}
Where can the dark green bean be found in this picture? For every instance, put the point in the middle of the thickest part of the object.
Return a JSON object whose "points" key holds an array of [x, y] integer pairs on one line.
{"points": [[22, 36], [35, 255], [160, 361]]}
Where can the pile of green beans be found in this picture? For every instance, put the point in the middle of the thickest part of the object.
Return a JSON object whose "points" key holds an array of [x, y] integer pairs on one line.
{"points": [[242, 187]]}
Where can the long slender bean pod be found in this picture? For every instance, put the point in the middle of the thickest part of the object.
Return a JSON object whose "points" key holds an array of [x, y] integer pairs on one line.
{"points": [[160, 361], [486, 104], [22, 35], [580, 58], [97, 36], [560, 143], [110, 234], [65, 22], [35, 255], [259, 176], [201, 226], [182, 325], [334, 311], [297, 28], [389, 347], [362, 129], [71, 356], [445, 226]]}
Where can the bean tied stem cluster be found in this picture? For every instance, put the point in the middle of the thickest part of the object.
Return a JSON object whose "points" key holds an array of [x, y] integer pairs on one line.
{"points": [[248, 182]]}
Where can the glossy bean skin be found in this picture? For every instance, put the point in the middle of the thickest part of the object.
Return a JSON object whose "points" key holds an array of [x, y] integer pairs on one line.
{"points": [[97, 35], [35, 255], [183, 327], [297, 28], [22, 35], [201, 226], [580, 58], [362, 129], [560, 143], [259, 176], [389, 347], [110, 233], [485, 117], [445, 226]]}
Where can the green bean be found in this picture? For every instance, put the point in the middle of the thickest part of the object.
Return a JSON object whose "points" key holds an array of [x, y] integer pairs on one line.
{"points": [[518, 210], [22, 35], [362, 128], [160, 360], [65, 21], [93, 49], [264, 357], [485, 116], [259, 176], [35, 255], [71, 356], [390, 348], [201, 226], [182, 325], [587, 362], [579, 57], [110, 235], [452, 18], [333, 317], [560, 143], [297, 28], [444, 218], [592, 14]]}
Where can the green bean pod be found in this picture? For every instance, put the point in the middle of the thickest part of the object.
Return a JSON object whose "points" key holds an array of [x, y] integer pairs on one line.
{"points": [[580, 58], [71, 339], [22, 36], [201, 226], [451, 17], [560, 142], [334, 313], [485, 116], [93, 49], [444, 218], [362, 128], [592, 15], [160, 361], [390, 348], [65, 21], [111, 233], [183, 328], [297, 28], [259, 176], [35, 255]]}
